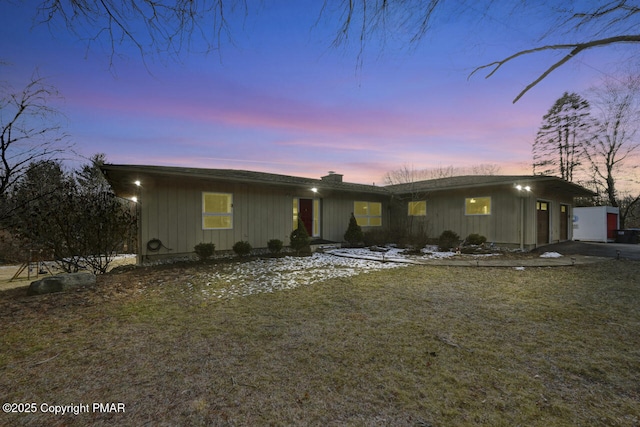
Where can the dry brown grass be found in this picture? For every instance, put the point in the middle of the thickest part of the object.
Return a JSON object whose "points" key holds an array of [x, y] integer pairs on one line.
{"points": [[417, 346]]}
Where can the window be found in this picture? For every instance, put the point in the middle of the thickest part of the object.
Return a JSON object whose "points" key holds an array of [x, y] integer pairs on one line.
{"points": [[477, 206], [217, 211], [368, 214], [418, 208], [542, 206]]}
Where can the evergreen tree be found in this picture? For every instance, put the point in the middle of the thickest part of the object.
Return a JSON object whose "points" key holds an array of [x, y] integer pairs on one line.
{"points": [[300, 239], [354, 235]]}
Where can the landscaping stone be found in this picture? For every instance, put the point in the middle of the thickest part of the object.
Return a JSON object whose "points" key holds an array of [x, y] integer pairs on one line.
{"points": [[61, 283]]}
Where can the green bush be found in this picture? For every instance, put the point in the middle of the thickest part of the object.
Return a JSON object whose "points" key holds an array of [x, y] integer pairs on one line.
{"points": [[354, 235], [448, 240], [242, 248], [475, 239], [300, 239], [274, 245], [204, 250]]}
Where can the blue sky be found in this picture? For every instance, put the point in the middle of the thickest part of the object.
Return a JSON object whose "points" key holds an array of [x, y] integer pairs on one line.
{"points": [[281, 99]]}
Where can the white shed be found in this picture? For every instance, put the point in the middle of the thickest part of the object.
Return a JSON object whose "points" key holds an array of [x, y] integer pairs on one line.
{"points": [[596, 224]]}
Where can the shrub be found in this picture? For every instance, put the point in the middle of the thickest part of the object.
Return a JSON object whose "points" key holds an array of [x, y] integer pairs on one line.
{"points": [[353, 235], [447, 240], [475, 239], [242, 248], [300, 239], [204, 250], [274, 245], [418, 239], [376, 237]]}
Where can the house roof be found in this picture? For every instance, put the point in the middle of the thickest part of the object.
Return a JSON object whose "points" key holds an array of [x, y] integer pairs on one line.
{"points": [[122, 178], [478, 181]]}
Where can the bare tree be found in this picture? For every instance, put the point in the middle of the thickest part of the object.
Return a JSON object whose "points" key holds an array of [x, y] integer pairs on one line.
{"points": [[404, 175], [28, 130], [588, 25], [81, 223], [616, 139], [560, 139], [170, 26], [408, 174], [151, 26], [630, 212]]}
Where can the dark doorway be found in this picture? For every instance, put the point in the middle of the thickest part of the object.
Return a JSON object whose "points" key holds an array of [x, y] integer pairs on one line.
{"points": [[564, 222], [543, 222]]}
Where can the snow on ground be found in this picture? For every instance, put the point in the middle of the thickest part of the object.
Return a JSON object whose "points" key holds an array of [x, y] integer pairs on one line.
{"points": [[226, 281], [232, 280], [390, 254], [550, 255], [276, 274]]}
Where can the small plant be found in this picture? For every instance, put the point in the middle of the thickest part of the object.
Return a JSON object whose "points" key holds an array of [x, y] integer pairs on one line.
{"points": [[242, 248], [300, 239], [448, 240], [354, 235], [274, 245], [204, 250], [475, 239]]}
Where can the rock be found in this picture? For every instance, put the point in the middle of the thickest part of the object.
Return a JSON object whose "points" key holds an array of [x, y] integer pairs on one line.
{"points": [[60, 283]]}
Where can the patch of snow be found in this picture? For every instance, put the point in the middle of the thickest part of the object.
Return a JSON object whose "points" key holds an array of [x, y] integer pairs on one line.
{"points": [[391, 254], [126, 257], [550, 255], [519, 268], [277, 274]]}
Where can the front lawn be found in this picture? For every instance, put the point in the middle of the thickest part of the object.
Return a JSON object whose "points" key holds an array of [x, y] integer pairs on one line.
{"points": [[409, 346]]}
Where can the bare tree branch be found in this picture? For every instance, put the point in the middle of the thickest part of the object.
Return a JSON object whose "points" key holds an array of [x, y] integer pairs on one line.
{"points": [[28, 129], [151, 26], [614, 140], [576, 48]]}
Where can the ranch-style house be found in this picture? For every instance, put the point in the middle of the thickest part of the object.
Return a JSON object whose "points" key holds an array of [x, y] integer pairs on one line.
{"points": [[180, 207]]}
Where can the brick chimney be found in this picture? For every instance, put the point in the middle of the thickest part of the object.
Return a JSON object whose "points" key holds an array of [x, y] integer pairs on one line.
{"points": [[332, 177]]}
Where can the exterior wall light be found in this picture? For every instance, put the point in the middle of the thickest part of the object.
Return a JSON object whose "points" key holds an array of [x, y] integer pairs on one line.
{"points": [[314, 189]]}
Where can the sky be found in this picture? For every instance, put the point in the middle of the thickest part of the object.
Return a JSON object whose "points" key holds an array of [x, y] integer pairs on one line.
{"points": [[280, 98]]}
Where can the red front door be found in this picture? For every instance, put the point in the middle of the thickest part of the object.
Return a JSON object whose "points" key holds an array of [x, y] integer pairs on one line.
{"points": [[306, 214], [612, 225]]}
